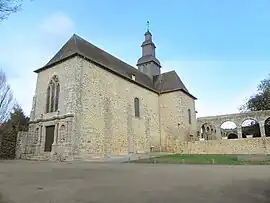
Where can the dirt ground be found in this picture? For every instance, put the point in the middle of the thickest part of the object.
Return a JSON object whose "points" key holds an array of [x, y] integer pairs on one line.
{"points": [[28, 182]]}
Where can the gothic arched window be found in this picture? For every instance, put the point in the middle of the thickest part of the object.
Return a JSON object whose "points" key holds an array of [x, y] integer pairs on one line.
{"points": [[137, 107], [53, 95]]}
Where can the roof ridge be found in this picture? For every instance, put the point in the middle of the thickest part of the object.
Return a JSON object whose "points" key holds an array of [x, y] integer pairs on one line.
{"points": [[77, 45], [129, 66], [169, 72]]}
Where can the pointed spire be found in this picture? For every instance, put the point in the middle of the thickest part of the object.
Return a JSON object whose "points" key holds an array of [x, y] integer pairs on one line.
{"points": [[148, 35], [148, 48], [148, 63]]}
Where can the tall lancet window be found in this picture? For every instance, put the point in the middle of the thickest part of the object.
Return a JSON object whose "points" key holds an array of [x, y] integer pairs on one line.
{"points": [[53, 91], [189, 116], [137, 107]]}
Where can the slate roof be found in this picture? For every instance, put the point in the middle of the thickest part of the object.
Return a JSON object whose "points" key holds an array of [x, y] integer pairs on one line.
{"points": [[168, 81], [76, 45]]}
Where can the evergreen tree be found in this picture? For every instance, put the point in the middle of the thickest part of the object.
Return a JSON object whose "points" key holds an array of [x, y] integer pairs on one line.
{"points": [[9, 130]]}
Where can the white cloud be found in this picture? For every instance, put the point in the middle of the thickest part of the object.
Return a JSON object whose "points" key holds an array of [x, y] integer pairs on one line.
{"points": [[58, 24], [24, 52]]}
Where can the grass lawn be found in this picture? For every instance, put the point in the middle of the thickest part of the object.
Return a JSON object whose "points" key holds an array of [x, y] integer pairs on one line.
{"points": [[201, 159]]}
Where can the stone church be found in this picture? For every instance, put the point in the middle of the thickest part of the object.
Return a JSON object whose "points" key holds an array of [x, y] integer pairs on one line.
{"points": [[90, 104]]}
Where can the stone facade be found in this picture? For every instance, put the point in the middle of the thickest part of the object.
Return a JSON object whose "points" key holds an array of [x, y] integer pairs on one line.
{"points": [[107, 118], [174, 119], [103, 107], [63, 119], [96, 115]]}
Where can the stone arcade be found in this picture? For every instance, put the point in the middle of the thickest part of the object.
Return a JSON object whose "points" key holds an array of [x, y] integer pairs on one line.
{"points": [[89, 104], [210, 127]]}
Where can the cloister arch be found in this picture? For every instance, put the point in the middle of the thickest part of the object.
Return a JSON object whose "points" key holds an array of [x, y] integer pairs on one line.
{"points": [[208, 131], [232, 136], [250, 127], [262, 119], [267, 127], [228, 130]]}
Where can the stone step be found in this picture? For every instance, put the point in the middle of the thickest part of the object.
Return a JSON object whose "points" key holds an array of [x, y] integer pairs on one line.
{"points": [[87, 158], [38, 158]]}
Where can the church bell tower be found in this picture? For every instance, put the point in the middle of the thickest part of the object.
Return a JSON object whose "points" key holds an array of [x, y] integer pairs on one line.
{"points": [[148, 63]]}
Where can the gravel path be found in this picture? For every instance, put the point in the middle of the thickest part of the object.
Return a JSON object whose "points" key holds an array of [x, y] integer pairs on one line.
{"points": [[29, 182]]}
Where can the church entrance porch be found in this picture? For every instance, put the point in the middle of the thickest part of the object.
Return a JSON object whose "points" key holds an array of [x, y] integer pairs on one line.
{"points": [[49, 138]]}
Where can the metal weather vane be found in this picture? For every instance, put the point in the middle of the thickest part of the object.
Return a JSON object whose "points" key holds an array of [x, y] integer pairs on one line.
{"points": [[147, 25]]}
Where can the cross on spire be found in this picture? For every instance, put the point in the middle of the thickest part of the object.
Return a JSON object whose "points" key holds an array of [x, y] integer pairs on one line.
{"points": [[147, 25]]}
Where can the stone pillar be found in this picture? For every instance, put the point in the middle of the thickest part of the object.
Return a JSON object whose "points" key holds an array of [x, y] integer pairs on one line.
{"points": [[41, 134], [42, 138], [55, 138], [68, 131], [57, 133], [218, 132], [262, 128], [54, 145], [29, 140], [39, 141], [36, 139], [239, 132], [55, 141], [32, 114]]}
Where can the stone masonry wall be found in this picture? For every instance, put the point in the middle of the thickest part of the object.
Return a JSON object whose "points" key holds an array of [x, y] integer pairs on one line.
{"points": [[21, 144], [237, 146], [66, 72], [102, 103], [174, 117], [69, 74], [108, 125]]}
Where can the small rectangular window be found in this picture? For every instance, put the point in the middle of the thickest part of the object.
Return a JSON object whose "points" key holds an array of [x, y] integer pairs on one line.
{"points": [[189, 116], [133, 77]]}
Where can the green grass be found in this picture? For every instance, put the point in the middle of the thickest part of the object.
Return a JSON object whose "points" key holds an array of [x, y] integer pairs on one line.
{"points": [[200, 159]]}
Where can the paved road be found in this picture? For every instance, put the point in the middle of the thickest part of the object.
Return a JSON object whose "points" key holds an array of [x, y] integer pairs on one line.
{"points": [[28, 182]]}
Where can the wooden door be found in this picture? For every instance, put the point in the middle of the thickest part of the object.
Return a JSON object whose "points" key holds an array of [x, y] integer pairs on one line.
{"points": [[49, 138]]}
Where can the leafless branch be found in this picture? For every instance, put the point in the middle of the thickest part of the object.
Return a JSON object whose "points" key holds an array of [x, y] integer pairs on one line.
{"points": [[6, 98], [9, 6]]}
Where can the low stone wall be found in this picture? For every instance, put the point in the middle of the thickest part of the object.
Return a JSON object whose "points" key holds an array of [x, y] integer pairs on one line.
{"points": [[21, 143], [237, 146]]}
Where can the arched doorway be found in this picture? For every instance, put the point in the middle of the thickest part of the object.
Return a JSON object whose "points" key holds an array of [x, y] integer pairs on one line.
{"points": [[208, 131], [267, 127], [232, 136], [228, 128], [250, 127]]}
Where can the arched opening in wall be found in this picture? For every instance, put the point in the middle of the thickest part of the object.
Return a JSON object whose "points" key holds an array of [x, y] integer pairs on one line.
{"points": [[62, 134], [228, 128], [250, 128], [267, 127], [232, 136], [208, 131]]}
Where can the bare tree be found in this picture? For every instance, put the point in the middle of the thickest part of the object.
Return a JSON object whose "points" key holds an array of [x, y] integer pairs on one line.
{"points": [[6, 98], [9, 6]]}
